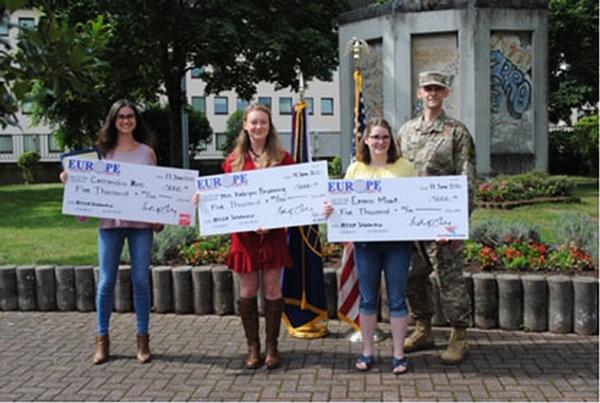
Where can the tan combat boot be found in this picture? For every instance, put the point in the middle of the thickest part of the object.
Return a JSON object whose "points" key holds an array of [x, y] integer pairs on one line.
{"points": [[457, 347], [421, 338]]}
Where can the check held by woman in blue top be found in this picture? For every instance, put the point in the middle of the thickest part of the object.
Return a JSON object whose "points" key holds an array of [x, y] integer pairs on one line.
{"points": [[123, 138], [378, 158]]}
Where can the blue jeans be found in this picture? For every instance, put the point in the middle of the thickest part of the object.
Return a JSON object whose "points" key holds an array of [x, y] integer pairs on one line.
{"points": [[110, 245], [394, 259]]}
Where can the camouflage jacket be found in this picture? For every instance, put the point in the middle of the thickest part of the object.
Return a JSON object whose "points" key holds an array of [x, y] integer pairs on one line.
{"points": [[441, 147]]}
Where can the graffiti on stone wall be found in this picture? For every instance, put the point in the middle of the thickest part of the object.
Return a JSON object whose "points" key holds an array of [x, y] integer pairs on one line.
{"points": [[437, 52], [511, 92], [510, 86]]}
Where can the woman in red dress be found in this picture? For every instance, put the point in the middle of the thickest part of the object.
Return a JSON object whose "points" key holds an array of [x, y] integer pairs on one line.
{"points": [[258, 147]]}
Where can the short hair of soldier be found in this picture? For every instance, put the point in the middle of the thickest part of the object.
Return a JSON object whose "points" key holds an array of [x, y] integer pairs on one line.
{"points": [[364, 154]]}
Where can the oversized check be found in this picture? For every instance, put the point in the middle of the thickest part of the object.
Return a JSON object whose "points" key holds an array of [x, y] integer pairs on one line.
{"points": [[264, 198], [112, 189], [420, 208]]}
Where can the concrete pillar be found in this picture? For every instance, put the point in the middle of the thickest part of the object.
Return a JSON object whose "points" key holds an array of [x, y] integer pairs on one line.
{"points": [[560, 297], [65, 288], [183, 289], [45, 286], [162, 286], [85, 289], [510, 301], [438, 318], [331, 292], [222, 287], [26, 288], [486, 300], [8, 288], [202, 289], [535, 303], [586, 305]]}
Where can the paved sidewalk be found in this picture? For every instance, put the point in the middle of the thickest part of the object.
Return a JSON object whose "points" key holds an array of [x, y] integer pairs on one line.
{"points": [[47, 356]]}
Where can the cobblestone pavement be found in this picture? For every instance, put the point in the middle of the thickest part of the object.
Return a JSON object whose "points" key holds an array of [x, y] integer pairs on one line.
{"points": [[47, 356]]}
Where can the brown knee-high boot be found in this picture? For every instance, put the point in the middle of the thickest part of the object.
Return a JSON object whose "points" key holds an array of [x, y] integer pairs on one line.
{"points": [[273, 310], [248, 310]]}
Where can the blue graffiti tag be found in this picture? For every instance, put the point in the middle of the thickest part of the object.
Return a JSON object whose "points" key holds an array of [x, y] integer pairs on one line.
{"points": [[509, 85]]}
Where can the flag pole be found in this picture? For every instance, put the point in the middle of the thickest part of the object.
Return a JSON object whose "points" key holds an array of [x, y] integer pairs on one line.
{"points": [[358, 47], [305, 310]]}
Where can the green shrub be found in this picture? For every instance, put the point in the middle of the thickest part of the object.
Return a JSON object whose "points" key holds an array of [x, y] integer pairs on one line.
{"points": [[574, 151], [524, 187], [29, 164], [165, 249], [335, 168], [579, 229], [211, 249], [495, 232]]}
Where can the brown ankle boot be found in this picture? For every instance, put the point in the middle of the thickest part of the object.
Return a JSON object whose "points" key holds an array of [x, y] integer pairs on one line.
{"points": [[273, 310], [248, 310], [102, 349], [143, 348]]}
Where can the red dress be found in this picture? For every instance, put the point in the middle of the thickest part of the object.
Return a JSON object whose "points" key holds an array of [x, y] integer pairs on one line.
{"points": [[251, 251]]}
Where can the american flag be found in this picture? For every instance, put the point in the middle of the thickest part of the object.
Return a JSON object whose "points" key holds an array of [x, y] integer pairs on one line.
{"points": [[348, 288]]}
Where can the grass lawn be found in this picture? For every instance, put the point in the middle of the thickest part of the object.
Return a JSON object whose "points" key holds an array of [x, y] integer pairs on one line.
{"points": [[34, 231]]}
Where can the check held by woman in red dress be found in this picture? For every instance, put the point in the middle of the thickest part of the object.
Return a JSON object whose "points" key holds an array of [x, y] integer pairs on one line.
{"points": [[258, 147]]}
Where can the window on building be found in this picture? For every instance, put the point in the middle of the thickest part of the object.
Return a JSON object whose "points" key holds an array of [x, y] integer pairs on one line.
{"points": [[199, 104], [26, 23], [53, 144], [196, 72], [285, 105], [310, 104], [4, 26], [6, 144], [241, 104], [266, 101], [221, 106], [326, 106], [31, 142]]}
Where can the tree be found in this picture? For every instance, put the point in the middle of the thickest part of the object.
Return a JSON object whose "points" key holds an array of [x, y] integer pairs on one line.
{"points": [[573, 56], [153, 43], [234, 126], [157, 118]]}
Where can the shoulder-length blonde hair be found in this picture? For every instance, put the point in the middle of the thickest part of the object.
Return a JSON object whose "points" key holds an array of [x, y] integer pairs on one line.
{"points": [[364, 154], [274, 151]]}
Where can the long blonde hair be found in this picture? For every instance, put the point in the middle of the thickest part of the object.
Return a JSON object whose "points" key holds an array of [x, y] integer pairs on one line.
{"points": [[274, 151]]}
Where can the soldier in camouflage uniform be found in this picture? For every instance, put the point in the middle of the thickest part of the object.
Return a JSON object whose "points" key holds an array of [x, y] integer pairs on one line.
{"points": [[438, 145]]}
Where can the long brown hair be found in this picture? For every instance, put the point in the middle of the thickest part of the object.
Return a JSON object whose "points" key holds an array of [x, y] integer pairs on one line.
{"points": [[364, 154], [274, 151], [108, 134]]}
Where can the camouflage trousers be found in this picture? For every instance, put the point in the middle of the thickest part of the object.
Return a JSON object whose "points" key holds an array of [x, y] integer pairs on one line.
{"points": [[447, 261]]}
